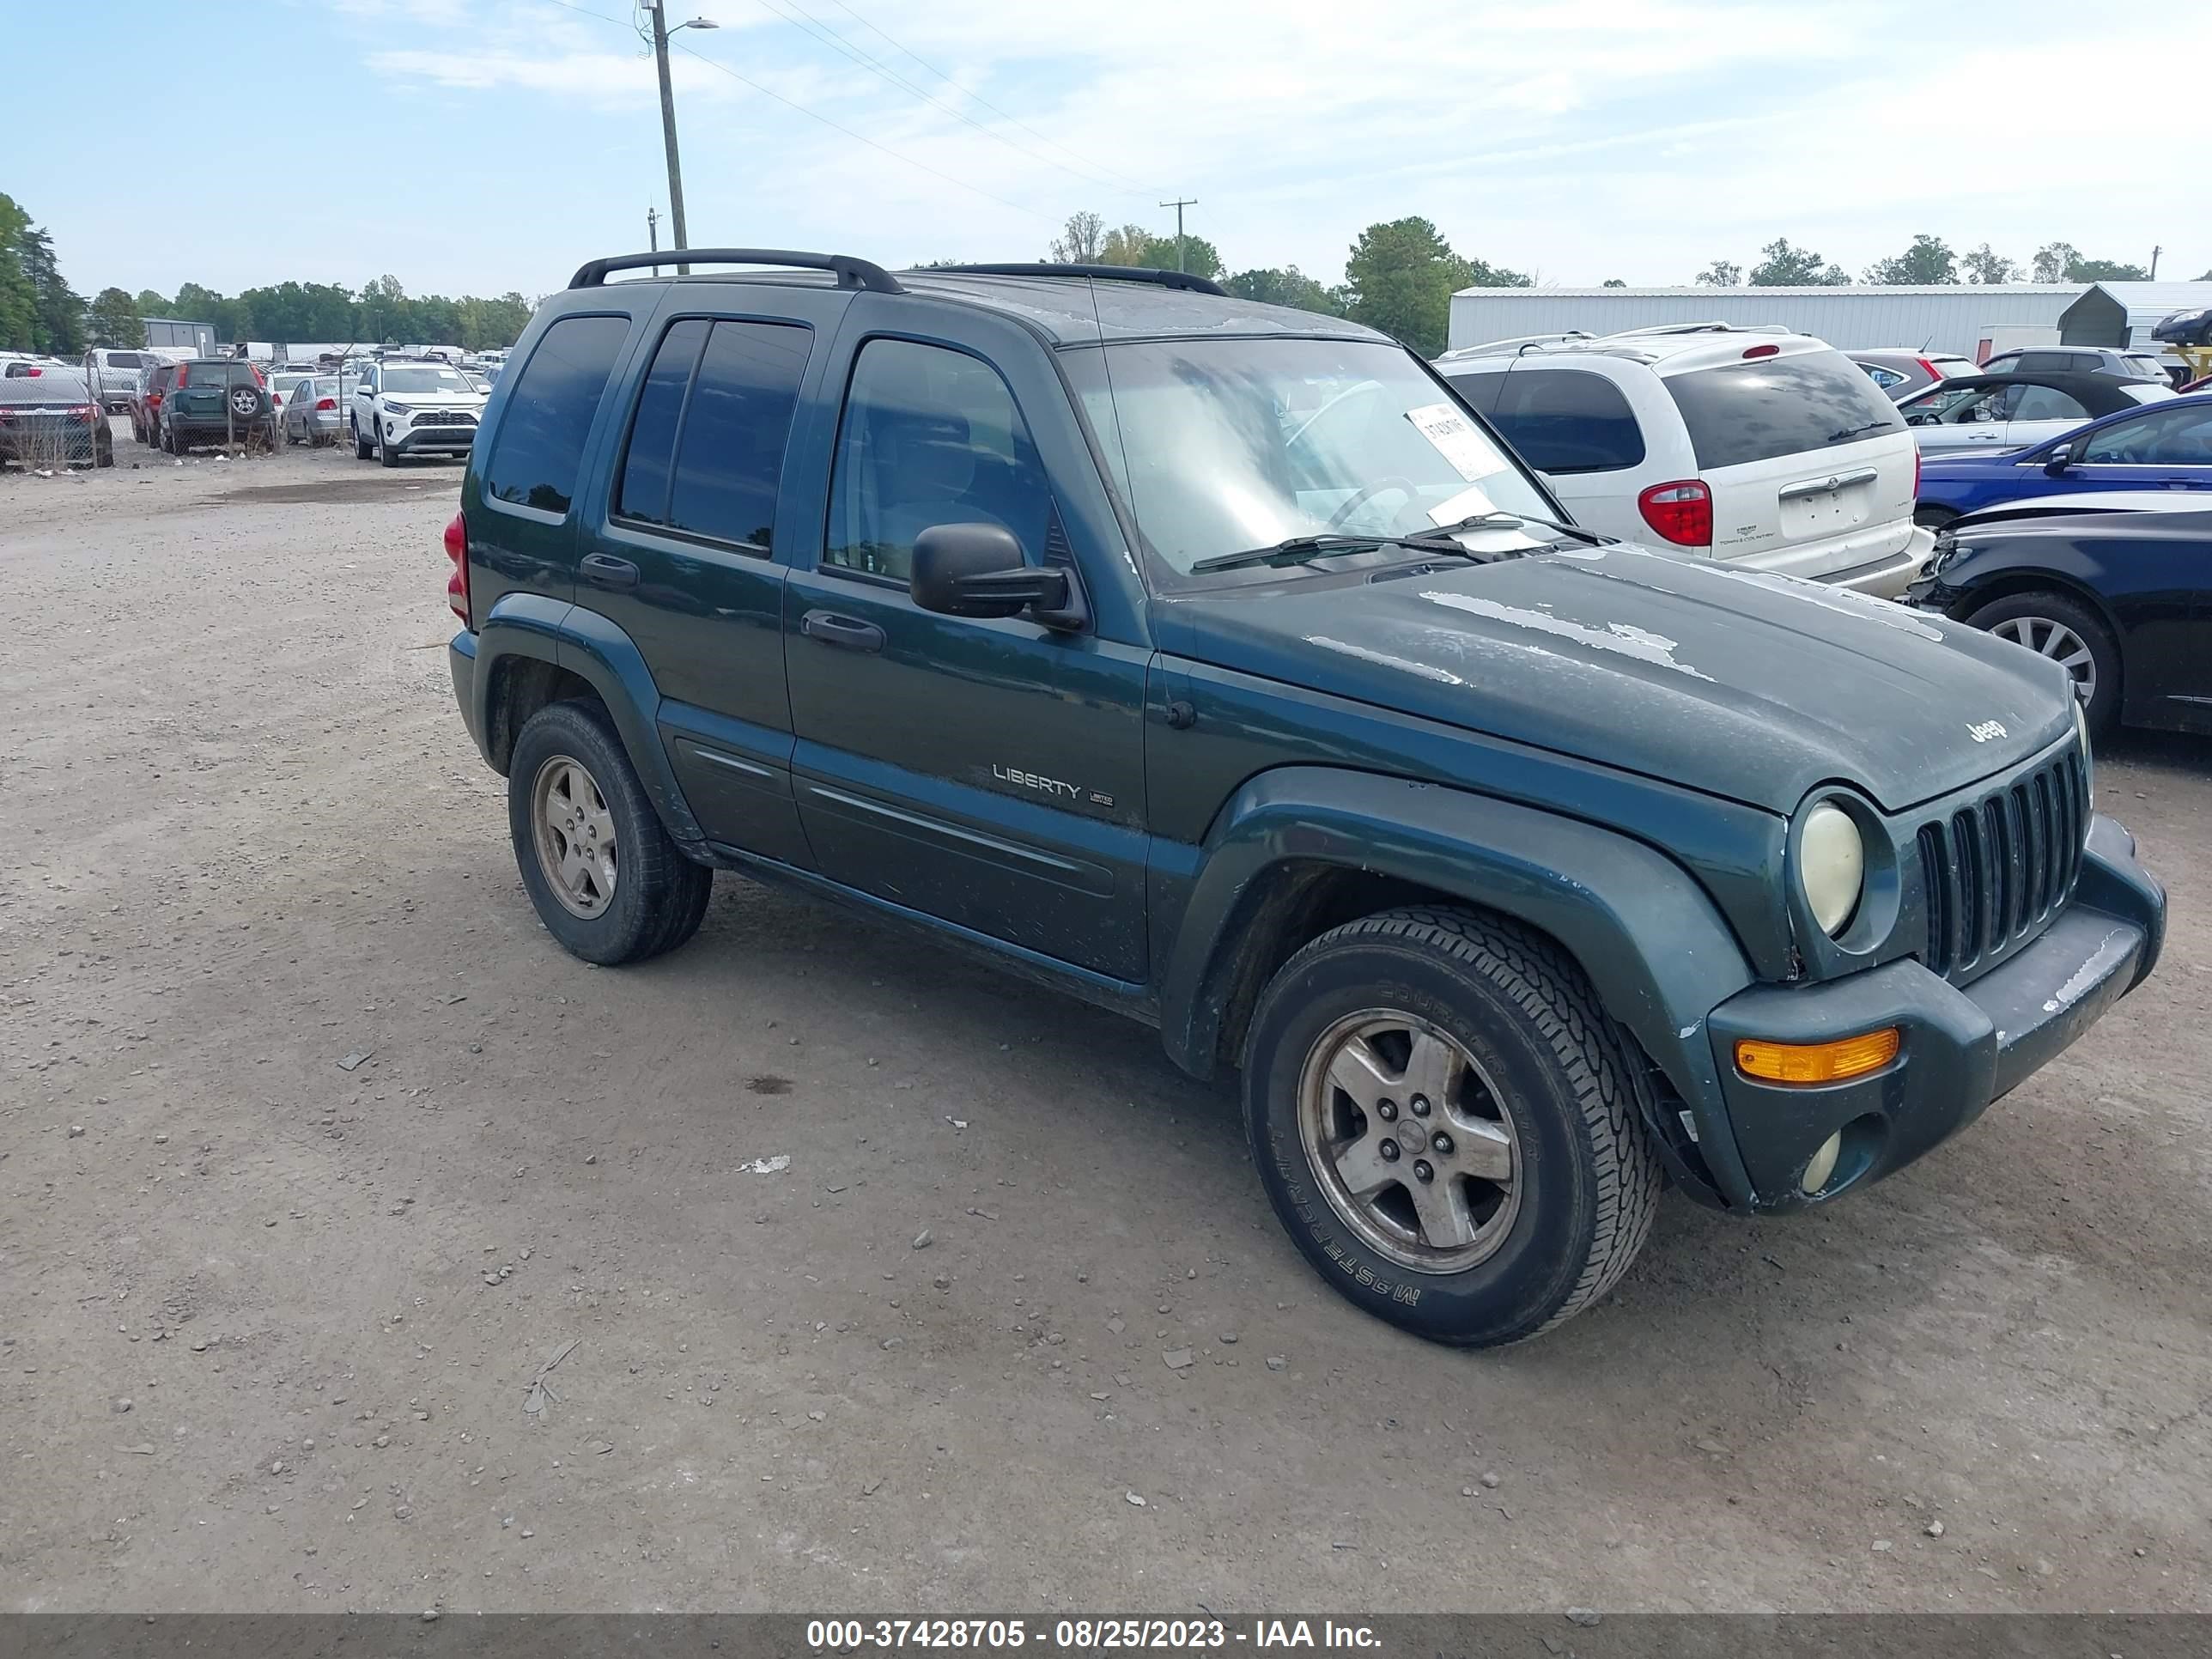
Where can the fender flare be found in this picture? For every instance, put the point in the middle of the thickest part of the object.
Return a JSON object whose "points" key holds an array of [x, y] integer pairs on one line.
{"points": [[592, 648], [1657, 951]]}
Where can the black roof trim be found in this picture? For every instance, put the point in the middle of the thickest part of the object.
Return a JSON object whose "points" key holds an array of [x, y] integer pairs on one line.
{"points": [[1180, 279], [849, 271]]}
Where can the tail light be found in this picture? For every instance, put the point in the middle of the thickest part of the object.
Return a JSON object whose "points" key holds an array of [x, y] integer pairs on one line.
{"points": [[1929, 369], [457, 549], [1915, 468], [1764, 351], [86, 412], [325, 403], [1681, 513], [34, 373], [183, 377]]}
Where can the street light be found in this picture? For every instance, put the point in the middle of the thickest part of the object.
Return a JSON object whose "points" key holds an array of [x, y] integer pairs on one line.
{"points": [[660, 33]]}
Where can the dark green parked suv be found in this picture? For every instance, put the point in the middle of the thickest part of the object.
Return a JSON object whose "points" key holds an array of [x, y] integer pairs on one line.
{"points": [[1212, 661]]}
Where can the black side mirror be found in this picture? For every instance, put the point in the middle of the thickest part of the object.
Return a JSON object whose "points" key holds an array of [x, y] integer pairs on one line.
{"points": [[2058, 460], [976, 570]]}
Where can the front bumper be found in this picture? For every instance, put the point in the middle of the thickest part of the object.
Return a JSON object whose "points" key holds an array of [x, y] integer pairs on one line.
{"points": [[1962, 1048], [430, 440]]}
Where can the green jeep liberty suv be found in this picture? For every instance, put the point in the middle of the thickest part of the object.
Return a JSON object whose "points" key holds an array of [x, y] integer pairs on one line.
{"points": [[1214, 661]]}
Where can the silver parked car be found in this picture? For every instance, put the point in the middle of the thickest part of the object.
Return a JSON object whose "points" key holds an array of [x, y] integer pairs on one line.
{"points": [[113, 376], [1901, 372], [311, 410]]}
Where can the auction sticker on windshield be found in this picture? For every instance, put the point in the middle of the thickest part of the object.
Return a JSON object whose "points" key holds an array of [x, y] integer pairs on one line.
{"points": [[1472, 455]]}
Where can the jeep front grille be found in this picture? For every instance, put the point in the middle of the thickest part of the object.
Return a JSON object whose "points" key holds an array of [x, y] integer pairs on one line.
{"points": [[1997, 869]]}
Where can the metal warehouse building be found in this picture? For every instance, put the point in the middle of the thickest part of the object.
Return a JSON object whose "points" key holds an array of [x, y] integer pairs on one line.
{"points": [[1966, 318], [2123, 313]]}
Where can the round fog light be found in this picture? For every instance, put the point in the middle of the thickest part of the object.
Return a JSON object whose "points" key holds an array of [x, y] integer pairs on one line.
{"points": [[1823, 1164]]}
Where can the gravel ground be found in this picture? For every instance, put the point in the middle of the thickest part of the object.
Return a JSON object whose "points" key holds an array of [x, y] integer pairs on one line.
{"points": [[268, 1325]]}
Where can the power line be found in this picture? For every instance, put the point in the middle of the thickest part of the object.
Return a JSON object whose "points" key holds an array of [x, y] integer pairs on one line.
{"points": [[814, 29], [1134, 188], [813, 115]]}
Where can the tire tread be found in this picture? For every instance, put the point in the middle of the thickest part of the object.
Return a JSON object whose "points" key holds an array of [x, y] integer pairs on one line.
{"points": [[1547, 986]]}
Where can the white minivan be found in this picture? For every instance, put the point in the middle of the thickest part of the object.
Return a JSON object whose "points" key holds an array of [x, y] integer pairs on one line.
{"points": [[1767, 449]]}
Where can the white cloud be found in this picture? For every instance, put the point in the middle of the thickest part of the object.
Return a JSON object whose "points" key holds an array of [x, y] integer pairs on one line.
{"points": [[1584, 138]]}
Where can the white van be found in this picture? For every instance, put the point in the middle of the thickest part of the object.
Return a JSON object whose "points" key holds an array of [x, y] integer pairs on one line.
{"points": [[113, 376], [1764, 448]]}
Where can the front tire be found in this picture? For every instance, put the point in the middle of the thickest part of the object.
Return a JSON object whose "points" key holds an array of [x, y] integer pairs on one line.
{"points": [[360, 443], [2060, 627], [1518, 1179], [385, 453], [607, 881]]}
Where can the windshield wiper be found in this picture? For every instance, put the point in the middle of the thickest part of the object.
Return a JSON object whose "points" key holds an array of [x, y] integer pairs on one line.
{"points": [[1503, 521], [1298, 549], [1854, 431]]}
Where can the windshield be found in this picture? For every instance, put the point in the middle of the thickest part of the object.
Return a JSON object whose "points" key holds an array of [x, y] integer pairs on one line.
{"points": [[425, 377], [1221, 446]]}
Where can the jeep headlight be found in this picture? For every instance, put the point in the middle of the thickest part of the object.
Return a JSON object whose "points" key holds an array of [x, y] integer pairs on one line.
{"points": [[1830, 865]]}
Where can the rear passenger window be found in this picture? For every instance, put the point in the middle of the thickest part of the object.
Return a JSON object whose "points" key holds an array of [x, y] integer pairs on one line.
{"points": [[643, 495], [1566, 420], [706, 449], [549, 413]]}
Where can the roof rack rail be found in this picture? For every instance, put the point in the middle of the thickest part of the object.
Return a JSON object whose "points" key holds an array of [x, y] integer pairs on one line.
{"points": [[1520, 343], [850, 272], [1181, 279], [1714, 327]]}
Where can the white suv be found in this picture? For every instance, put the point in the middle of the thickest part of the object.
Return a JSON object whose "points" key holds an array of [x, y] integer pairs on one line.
{"points": [[402, 408], [1763, 448]]}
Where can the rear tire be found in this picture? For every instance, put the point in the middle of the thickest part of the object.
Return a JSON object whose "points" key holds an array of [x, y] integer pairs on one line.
{"points": [[1533, 1088], [632, 894], [2058, 626]]}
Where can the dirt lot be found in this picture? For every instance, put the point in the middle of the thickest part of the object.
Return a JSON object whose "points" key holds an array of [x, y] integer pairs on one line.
{"points": [[268, 1325]]}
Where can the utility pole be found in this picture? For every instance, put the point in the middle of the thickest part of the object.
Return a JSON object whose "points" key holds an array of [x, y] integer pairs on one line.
{"points": [[2154, 252], [661, 34], [1179, 205]]}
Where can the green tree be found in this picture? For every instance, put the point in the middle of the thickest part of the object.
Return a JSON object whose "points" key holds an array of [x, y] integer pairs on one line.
{"points": [[113, 320], [19, 302], [1929, 260], [1985, 265], [1720, 274], [1079, 241], [1399, 278], [151, 304], [1613, 282], [1285, 286], [1781, 266], [2052, 261], [2106, 271], [57, 310], [1124, 246]]}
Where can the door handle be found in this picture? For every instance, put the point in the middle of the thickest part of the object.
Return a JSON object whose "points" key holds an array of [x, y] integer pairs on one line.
{"points": [[846, 633], [603, 571]]}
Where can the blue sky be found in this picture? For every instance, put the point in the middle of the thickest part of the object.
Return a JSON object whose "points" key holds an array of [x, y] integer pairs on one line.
{"points": [[479, 146]]}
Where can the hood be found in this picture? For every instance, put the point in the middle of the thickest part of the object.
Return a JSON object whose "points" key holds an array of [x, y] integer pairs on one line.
{"points": [[438, 399], [1734, 681]]}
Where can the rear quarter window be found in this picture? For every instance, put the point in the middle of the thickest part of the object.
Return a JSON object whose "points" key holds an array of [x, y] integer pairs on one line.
{"points": [[1768, 407], [1558, 420], [550, 410]]}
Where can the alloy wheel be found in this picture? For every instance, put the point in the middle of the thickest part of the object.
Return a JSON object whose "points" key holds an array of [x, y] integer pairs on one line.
{"points": [[1410, 1140], [574, 832], [2055, 640]]}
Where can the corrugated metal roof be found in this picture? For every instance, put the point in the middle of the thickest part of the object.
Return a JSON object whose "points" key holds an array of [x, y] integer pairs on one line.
{"points": [[1895, 289], [2148, 303]]}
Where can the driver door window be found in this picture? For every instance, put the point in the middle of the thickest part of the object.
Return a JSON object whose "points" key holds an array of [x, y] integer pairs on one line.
{"points": [[930, 436], [2171, 437]]}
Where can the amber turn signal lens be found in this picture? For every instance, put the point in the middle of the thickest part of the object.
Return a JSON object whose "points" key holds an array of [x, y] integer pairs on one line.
{"points": [[1817, 1062]]}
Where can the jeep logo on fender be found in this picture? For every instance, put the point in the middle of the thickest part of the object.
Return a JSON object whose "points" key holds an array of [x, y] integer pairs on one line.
{"points": [[1986, 730]]}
